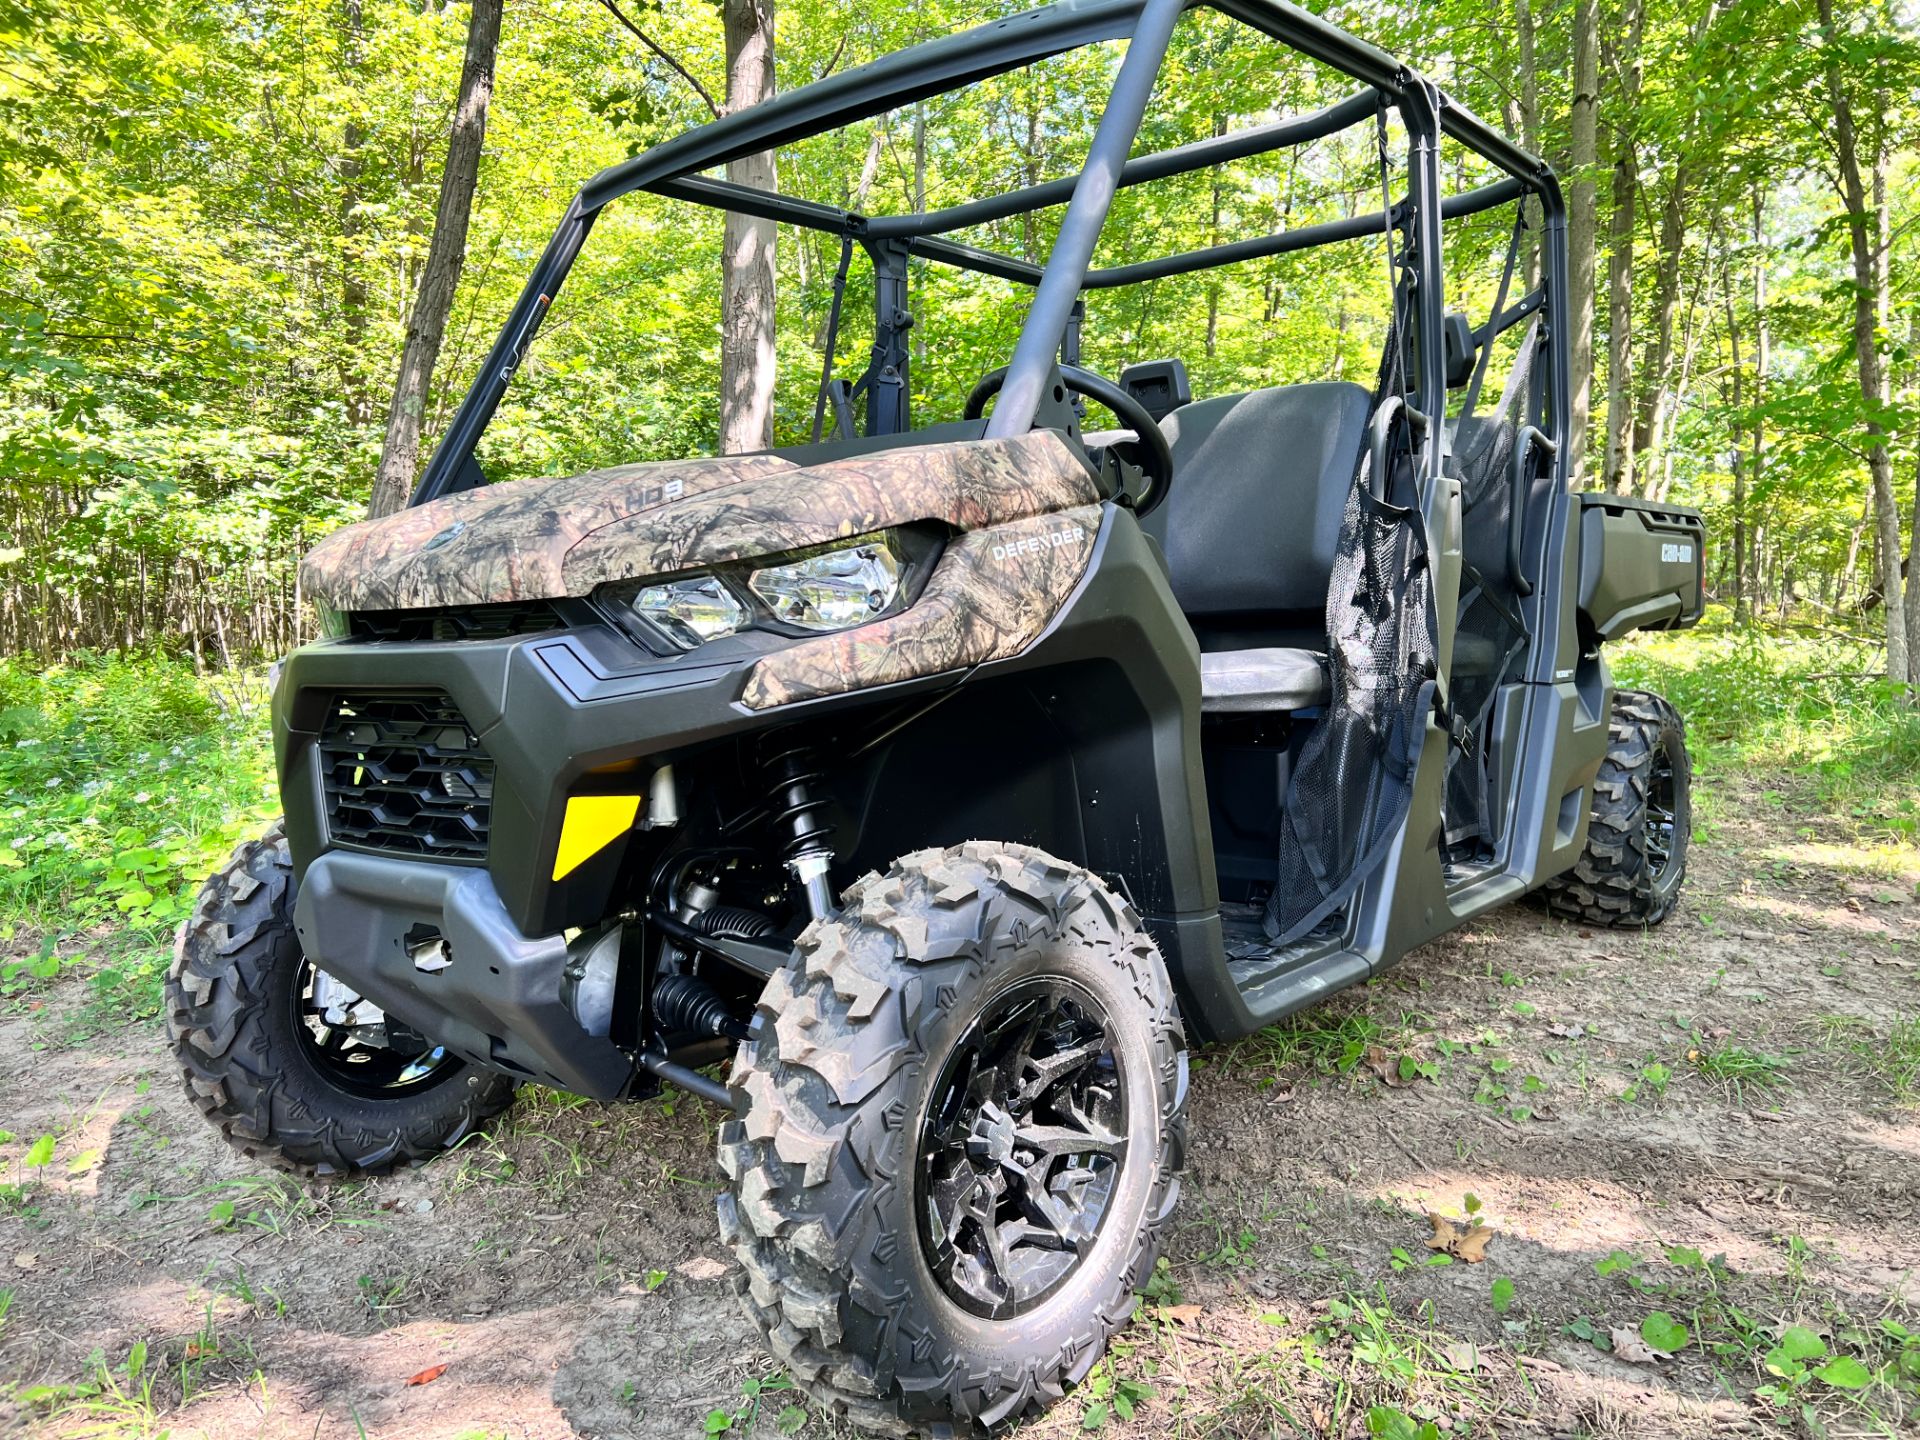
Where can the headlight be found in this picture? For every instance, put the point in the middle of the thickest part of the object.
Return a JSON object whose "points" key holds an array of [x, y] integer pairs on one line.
{"points": [[846, 585], [691, 612], [813, 591]]}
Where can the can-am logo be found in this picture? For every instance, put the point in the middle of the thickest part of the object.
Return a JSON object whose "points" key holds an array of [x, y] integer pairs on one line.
{"points": [[1034, 544], [1677, 554]]}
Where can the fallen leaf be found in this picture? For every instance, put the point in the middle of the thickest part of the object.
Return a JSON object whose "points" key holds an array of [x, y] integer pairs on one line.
{"points": [[1386, 1068], [428, 1375], [1183, 1314], [196, 1351], [1468, 1244], [1627, 1345], [1567, 1032], [701, 1267], [1462, 1355], [1473, 1245], [25, 1260]]}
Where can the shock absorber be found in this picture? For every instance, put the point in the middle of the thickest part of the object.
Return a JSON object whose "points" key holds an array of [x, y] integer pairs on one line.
{"points": [[796, 812]]}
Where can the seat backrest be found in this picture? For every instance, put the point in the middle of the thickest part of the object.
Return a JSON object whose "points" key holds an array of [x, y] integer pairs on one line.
{"points": [[1260, 486]]}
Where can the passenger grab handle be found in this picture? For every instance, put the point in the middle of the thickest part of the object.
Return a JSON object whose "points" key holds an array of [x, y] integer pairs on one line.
{"points": [[1382, 433], [1529, 436]]}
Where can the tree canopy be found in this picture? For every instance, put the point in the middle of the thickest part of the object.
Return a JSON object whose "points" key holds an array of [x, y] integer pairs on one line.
{"points": [[217, 212]]}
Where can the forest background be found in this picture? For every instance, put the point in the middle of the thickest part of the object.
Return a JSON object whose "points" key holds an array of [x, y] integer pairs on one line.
{"points": [[252, 253]]}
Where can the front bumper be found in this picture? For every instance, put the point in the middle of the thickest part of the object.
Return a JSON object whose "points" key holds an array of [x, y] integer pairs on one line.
{"points": [[497, 1004], [582, 700]]}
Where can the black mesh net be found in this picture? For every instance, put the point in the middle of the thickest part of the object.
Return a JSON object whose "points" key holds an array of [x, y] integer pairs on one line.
{"points": [[1354, 779]]}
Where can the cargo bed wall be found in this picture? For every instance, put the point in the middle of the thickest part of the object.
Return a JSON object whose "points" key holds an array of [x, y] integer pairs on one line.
{"points": [[1642, 566]]}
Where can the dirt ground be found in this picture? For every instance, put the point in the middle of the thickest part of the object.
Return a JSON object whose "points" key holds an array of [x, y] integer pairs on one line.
{"points": [[1710, 1121]]}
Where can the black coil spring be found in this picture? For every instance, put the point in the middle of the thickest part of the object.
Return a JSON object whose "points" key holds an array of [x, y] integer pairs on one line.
{"points": [[794, 808]]}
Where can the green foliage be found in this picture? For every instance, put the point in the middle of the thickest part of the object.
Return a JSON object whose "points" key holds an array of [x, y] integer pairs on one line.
{"points": [[127, 781], [1810, 702], [1112, 1397], [1664, 1333]]}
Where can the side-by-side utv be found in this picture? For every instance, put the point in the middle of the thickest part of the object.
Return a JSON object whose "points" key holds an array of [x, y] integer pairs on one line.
{"points": [[944, 782]]}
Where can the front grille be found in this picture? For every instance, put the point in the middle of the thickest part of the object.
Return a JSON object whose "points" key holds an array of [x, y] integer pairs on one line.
{"points": [[402, 772], [465, 622]]}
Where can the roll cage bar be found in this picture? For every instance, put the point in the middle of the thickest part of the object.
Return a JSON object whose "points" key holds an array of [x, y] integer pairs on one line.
{"points": [[935, 67]]}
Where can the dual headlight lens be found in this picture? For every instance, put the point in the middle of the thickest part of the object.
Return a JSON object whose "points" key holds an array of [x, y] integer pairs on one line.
{"points": [[833, 587]]}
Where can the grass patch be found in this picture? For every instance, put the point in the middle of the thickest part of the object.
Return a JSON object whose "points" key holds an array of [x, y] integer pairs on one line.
{"points": [[127, 779], [1320, 1041], [1808, 703], [1739, 1069], [1893, 1060]]}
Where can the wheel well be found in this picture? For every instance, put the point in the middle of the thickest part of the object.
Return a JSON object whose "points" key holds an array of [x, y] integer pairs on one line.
{"points": [[1062, 759]]}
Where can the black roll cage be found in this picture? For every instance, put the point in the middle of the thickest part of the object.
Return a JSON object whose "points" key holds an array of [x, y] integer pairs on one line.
{"points": [[1050, 332]]}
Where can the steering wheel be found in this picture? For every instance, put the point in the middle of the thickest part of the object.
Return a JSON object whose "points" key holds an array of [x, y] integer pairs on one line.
{"points": [[1155, 455]]}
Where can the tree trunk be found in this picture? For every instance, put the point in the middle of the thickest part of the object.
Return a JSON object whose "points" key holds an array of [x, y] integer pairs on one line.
{"points": [[446, 255], [1213, 238], [1911, 600], [1867, 234], [919, 332], [1617, 466], [1658, 369], [1529, 120], [1582, 219], [747, 288], [1743, 599], [353, 283], [1762, 360]]}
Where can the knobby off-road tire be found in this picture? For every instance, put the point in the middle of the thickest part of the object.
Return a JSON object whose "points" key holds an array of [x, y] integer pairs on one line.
{"points": [[1642, 791], [847, 1054], [231, 1017]]}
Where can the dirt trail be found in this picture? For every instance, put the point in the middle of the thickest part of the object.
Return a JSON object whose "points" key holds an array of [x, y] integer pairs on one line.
{"points": [[1721, 1086]]}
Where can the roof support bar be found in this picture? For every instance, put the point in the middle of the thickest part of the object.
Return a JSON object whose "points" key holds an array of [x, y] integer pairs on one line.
{"points": [[1059, 288], [1357, 227], [1181, 160]]}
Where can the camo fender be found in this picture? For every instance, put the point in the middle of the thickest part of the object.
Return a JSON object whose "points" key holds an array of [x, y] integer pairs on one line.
{"points": [[993, 593], [540, 539]]}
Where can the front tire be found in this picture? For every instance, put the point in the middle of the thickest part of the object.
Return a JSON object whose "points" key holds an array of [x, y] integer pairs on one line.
{"points": [[234, 1017], [1635, 858], [963, 1126]]}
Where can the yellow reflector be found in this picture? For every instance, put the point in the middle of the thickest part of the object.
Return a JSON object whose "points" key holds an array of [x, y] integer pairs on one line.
{"points": [[593, 822]]}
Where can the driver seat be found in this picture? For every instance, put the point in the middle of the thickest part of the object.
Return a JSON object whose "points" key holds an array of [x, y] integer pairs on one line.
{"points": [[1251, 530]]}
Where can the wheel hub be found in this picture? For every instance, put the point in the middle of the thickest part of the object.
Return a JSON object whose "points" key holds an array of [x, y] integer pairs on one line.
{"points": [[1661, 817], [1023, 1143], [348, 1039]]}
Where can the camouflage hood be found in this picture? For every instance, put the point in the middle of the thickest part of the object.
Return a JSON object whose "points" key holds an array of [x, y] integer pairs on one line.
{"points": [[545, 538]]}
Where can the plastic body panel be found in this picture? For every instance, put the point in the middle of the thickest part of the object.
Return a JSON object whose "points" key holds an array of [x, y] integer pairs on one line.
{"points": [[1642, 566]]}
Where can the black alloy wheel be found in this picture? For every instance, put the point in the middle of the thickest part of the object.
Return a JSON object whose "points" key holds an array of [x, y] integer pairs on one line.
{"points": [[1021, 1149], [260, 1062], [377, 1072], [961, 1123], [1634, 858], [1662, 802]]}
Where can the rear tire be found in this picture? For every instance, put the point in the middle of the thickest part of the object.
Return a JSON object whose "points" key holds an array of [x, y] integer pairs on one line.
{"points": [[851, 1204], [1635, 858], [232, 1013]]}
